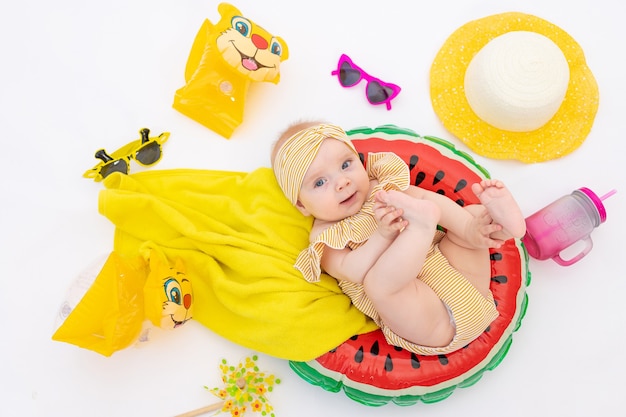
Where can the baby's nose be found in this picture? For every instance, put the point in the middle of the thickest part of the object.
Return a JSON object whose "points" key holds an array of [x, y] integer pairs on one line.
{"points": [[343, 182]]}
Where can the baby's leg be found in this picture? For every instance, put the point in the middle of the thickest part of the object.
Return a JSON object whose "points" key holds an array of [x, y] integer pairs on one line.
{"points": [[473, 263], [403, 259], [407, 305], [501, 207]]}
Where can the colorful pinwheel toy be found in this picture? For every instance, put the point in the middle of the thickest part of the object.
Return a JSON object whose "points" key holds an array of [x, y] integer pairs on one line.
{"points": [[245, 388]]}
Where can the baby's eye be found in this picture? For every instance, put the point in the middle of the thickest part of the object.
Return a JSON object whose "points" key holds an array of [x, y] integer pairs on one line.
{"points": [[319, 182], [346, 164]]}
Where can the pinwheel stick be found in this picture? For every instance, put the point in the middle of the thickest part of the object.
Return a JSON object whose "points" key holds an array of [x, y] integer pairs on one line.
{"points": [[202, 410], [241, 383]]}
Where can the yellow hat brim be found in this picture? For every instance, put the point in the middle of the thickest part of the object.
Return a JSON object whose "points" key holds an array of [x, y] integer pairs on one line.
{"points": [[567, 129]]}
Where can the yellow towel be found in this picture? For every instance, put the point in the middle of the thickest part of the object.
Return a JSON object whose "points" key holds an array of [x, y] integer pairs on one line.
{"points": [[239, 238]]}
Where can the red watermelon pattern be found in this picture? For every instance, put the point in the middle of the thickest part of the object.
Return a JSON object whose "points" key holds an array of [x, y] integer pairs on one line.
{"points": [[366, 367]]}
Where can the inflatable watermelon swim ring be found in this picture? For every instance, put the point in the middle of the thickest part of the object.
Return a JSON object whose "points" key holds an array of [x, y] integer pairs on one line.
{"points": [[366, 367]]}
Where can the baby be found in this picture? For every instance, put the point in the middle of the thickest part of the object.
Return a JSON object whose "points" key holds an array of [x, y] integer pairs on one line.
{"points": [[376, 234]]}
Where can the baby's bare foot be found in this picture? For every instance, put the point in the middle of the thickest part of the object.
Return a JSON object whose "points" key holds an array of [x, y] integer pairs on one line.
{"points": [[501, 206], [418, 213]]}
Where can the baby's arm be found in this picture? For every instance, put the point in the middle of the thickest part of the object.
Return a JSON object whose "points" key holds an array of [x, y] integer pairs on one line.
{"points": [[353, 265], [474, 230]]}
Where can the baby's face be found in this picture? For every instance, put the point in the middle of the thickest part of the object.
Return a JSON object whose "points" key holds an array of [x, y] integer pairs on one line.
{"points": [[336, 184]]}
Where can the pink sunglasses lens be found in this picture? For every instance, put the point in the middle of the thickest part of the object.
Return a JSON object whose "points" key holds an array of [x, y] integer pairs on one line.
{"points": [[348, 76], [377, 93]]}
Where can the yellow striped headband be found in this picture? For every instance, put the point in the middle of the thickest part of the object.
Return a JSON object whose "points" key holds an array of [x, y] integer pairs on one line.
{"points": [[295, 156]]}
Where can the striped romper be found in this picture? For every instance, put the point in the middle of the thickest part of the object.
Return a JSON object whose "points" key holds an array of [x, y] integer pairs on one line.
{"points": [[470, 311]]}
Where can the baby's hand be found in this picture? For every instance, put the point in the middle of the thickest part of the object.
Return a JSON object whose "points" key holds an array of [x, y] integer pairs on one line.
{"points": [[479, 229], [389, 219]]}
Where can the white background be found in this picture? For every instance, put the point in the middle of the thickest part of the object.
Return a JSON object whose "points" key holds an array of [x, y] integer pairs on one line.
{"points": [[77, 76]]}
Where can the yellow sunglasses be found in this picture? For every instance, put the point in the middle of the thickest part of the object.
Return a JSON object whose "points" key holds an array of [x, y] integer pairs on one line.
{"points": [[146, 151]]}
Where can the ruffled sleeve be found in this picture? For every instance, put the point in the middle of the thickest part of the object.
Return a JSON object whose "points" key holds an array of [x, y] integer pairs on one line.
{"points": [[392, 173]]}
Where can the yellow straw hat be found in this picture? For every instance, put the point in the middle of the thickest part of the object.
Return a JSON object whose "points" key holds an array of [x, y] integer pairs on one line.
{"points": [[514, 86]]}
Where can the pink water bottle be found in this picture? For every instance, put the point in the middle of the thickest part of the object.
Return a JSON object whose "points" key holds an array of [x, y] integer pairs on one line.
{"points": [[561, 224]]}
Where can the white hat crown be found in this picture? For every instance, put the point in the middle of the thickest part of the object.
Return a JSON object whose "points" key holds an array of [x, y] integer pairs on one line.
{"points": [[517, 81]]}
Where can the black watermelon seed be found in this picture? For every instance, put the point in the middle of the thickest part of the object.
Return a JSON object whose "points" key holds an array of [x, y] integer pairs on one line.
{"points": [[362, 157], [488, 329], [397, 348], [442, 192], [419, 178], [358, 356], [442, 359], [415, 362], [375, 348], [388, 363], [500, 279], [333, 350], [438, 177], [460, 202], [460, 185], [496, 256], [413, 161]]}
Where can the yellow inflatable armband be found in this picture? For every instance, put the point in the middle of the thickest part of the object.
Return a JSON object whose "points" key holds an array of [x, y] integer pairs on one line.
{"points": [[168, 294], [225, 57], [107, 313]]}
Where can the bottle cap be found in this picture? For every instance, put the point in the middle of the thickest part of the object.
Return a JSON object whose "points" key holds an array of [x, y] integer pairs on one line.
{"points": [[597, 201]]}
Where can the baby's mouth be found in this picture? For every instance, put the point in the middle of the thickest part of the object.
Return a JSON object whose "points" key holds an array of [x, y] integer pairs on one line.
{"points": [[349, 199]]}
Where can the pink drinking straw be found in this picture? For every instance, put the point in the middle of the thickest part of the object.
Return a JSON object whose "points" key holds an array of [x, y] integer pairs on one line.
{"points": [[607, 195]]}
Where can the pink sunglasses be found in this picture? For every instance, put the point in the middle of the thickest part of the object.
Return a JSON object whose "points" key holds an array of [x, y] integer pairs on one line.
{"points": [[377, 91]]}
